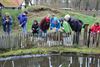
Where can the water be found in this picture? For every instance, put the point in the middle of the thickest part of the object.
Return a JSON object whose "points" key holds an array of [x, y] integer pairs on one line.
{"points": [[51, 61]]}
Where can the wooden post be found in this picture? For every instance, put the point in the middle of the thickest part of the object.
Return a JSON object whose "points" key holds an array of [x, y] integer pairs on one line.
{"points": [[97, 39], [85, 34], [88, 42]]}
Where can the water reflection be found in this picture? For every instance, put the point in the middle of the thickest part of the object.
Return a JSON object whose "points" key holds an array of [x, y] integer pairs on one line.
{"points": [[53, 61]]}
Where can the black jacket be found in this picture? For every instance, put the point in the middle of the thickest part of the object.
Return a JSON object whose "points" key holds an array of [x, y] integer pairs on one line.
{"points": [[35, 28], [76, 24]]}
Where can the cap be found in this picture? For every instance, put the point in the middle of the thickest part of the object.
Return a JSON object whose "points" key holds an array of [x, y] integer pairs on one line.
{"points": [[7, 14], [67, 17]]}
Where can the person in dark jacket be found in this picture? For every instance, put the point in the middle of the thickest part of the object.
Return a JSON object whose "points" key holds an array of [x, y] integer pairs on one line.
{"points": [[35, 27], [61, 21], [76, 26], [44, 26], [7, 22], [23, 21]]}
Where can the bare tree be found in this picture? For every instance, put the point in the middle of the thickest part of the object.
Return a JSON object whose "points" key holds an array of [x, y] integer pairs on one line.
{"points": [[26, 3], [97, 5], [79, 3], [67, 3], [76, 4], [87, 4]]}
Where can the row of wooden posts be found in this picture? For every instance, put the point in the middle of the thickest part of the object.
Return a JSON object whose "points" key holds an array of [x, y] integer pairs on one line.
{"points": [[20, 40]]}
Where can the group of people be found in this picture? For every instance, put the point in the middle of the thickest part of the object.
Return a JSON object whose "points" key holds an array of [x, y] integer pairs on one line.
{"points": [[48, 23], [43, 26], [7, 22], [52, 23]]}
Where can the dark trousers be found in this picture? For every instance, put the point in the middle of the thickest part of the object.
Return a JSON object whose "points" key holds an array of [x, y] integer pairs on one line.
{"points": [[76, 38], [7, 29]]}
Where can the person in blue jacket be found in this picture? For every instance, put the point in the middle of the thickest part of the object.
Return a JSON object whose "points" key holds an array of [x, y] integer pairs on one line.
{"points": [[7, 23], [55, 23], [23, 21]]}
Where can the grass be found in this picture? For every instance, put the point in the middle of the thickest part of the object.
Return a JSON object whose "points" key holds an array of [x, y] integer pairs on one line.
{"points": [[85, 18], [45, 50]]}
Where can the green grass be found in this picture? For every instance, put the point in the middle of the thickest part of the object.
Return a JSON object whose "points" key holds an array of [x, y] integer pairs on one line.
{"points": [[85, 18], [49, 50]]}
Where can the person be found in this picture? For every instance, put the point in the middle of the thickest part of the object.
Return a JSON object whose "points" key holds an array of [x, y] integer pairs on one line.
{"points": [[65, 26], [7, 23], [95, 29], [22, 18], [35, 27], [44, 25], [55, 23], [61, 21], [76, 26], [86, 35]]}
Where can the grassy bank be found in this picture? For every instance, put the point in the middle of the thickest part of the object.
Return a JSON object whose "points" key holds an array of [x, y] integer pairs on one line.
{"points": [[42, 50]]}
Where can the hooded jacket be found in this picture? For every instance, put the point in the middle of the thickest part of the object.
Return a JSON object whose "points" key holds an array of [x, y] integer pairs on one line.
{"points": [[4, 21], [95, 28], [35, 27], [7, 25], [45, 23], [55, 23], [22, 19]]}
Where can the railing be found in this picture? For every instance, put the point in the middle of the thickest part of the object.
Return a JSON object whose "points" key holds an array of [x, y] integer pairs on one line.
{"points": [[20, 40]]}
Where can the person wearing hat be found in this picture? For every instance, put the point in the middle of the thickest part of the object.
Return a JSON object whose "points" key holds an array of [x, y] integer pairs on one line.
{"points": [[76, 26], [22, 18], [7, 22]]}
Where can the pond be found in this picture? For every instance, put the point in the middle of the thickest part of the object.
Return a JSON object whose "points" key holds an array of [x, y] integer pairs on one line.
{"points": [[67, 60]]}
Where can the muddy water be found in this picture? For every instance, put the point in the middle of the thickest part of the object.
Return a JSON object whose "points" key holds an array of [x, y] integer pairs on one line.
{"points": [[51, 61]]}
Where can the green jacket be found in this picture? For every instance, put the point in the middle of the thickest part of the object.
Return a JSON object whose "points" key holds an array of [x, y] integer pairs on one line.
{"points": [[66, 27]]}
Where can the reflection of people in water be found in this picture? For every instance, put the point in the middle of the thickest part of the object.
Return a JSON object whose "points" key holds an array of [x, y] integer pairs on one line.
{"points": [[70, 62], [80, 61]]}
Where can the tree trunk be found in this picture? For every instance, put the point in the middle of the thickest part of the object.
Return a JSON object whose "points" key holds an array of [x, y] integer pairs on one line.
{"points": [[67, 3], [79, 4], [97, 5], [26, 3], [87, 4]]}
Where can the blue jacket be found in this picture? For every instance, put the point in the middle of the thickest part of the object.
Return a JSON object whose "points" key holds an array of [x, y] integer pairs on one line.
{"points": [[22, 19], [4, 21], [7, 25], [55, 23]]}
